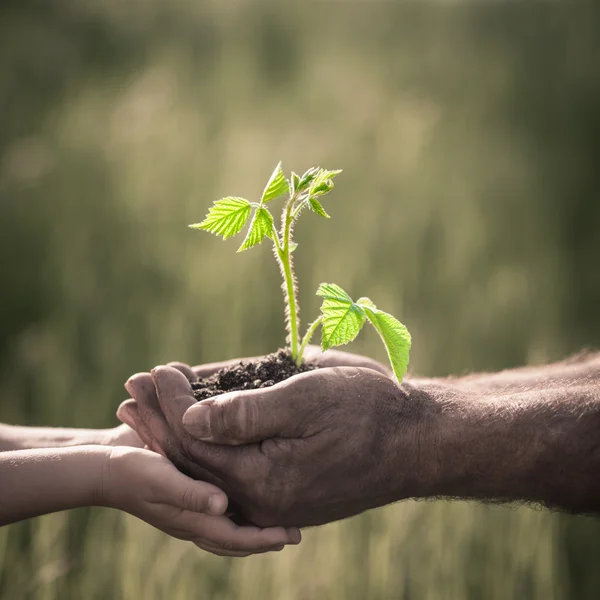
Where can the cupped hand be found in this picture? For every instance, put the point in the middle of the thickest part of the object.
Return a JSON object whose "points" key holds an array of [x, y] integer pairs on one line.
{"points": [[314, 354], [320, 446], [148, 486], [124, 435]]}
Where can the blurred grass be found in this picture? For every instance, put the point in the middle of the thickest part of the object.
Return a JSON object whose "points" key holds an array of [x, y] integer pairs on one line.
{"points": [[469, 135]]}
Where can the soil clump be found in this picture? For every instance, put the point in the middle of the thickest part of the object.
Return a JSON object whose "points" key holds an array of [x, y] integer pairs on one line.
{"points": [[250, 375]]}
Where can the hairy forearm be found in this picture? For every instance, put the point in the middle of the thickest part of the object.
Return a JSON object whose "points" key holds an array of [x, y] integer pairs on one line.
{"points": [[16, 437], [582, 369], [37, 482], [540, 446]]}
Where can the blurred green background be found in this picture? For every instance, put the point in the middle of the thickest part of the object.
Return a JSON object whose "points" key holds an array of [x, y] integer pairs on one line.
{"points": [[469, 135]]}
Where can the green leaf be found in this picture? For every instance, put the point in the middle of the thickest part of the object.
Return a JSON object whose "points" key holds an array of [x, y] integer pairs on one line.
{"points": [[316, 207], [324, 175], [260, 227], [226, 217], [295, 181], [394, 334], [364, 302], [342, 318], [307, 178], [322, 183], [323, 188], [276, 186]]}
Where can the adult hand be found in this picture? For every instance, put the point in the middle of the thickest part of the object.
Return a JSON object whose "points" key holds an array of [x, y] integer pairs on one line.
{"points": [[320, 446], [148, 486], [314, 354]]}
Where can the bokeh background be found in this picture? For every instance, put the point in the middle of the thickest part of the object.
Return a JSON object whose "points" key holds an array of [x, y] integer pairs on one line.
{"points": [[469, 135]]}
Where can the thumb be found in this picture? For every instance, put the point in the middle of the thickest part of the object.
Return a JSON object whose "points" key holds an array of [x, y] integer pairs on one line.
{"points": [[245, 417]]}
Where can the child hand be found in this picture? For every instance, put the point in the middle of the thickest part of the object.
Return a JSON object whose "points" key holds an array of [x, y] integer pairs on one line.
{"points": [[149, 487]]}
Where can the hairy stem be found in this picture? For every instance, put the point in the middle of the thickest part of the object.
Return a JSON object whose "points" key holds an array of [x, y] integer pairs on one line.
{"points": [[298, 208], [275, 237], [291, 299], [307, 337], [287, 266]]}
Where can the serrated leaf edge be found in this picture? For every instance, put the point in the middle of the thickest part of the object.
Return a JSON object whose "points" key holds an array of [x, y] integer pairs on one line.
{"points": [[334, 293], [246, 245], [213, 225], [277, 172], [317, 208], [371, 311]]}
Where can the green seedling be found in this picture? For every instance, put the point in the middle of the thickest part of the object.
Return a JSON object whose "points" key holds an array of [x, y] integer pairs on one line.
{"points": [[341, 318]]}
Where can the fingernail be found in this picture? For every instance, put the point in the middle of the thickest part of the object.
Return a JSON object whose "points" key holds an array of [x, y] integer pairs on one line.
{"points": [[129, 387], [217, 504], [170, 381], [124, 418], [294, 535], [196, 421]]}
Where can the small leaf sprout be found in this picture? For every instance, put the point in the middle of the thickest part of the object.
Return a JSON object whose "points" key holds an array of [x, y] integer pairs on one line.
{"points": [[341, 318]]}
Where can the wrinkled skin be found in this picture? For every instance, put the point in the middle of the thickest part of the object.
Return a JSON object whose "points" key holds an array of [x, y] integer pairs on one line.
{"points": [[148, 486], [317, 447], [339, 440]]}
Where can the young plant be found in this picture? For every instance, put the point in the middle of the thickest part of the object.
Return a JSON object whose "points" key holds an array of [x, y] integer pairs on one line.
{"points": [[341, 318]]}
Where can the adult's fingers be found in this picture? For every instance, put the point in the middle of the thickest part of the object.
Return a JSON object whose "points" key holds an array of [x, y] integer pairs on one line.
{"points": [[340, 358], [175, 395], [185, 369], [251, 416], [141, 387], [128, 413]]}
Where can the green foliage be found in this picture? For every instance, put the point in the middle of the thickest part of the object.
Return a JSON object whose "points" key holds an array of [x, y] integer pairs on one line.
{"points": [[260, 227], [307, 178], [226, 217], [276, 186], [341, 318], [322, 183], [315, 182], [294, 182], [317, 207], [394, 335]]}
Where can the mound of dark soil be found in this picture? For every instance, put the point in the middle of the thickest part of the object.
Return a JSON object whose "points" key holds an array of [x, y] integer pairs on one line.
{"points": [[267, 371]]}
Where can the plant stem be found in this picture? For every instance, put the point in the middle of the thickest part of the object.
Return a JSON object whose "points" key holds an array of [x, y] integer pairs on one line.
{"points": [[285, 256], [298, 209], [307, 337], [291, 299], [276, 241]]}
